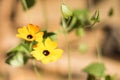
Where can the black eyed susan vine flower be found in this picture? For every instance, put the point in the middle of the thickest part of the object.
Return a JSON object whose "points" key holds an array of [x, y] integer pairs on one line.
{"points": [[47, 52], [30, 33], [41, 48]]}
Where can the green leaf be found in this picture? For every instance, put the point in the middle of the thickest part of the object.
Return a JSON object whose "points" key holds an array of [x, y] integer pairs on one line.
{"points": [[90, 77], [95, 69], [16, 59], [79, 19], [22, 47], [72, 23], [108, 77], [51, 35], [18, 56], [27, 4], [82, 16], [111, 12]]}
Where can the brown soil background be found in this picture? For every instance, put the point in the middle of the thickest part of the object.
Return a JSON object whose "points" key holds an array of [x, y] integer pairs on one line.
{"points": [[57, 70]]}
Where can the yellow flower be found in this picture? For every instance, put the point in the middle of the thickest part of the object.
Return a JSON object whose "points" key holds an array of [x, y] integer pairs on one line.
{"points": [[47, 52], [30, 33]]}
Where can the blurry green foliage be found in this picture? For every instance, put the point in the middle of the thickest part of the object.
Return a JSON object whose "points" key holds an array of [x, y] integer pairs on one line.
{"points": [[1, 76], [91, 77], [95, 69], [80, 19], [111, 12], [109, 77], [96, 16], [16, 59], [19, 55], [83, 48], [80, 32]]}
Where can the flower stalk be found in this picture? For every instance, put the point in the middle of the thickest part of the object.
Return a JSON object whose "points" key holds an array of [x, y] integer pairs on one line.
{"points": [[24, 4], [99, 55], [45, 13], [67, 48]]}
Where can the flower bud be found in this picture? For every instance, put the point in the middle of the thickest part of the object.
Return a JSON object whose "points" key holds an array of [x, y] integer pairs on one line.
{"points": [[83, 48], [66, 11], [80, 32]]}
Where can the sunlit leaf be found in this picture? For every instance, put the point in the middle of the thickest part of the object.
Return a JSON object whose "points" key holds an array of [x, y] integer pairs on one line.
{"points": [[18, 56], [16, 59], [95, 69]]}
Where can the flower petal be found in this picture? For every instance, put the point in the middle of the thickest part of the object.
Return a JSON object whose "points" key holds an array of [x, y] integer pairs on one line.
{"points": [[23, 30], [37, 55], [57, 53], [45, 60], [50, 44], [33, 28], [39, 47], [54, 54], [21, 36], [39, 36]]}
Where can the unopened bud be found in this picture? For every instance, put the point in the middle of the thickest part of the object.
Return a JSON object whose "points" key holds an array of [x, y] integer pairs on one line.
{"points": [[80, 32], [83, 48], [66, 11]]}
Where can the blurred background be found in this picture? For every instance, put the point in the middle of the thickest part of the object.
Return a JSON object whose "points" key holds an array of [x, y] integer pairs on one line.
{"points": [[47, 12]]}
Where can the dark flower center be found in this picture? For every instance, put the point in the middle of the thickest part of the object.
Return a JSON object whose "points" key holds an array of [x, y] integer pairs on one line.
{"points": [[46, 52], [29, 36]]}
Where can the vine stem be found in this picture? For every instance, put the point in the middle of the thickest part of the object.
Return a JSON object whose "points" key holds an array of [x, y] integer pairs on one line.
{"points": [[26, 8], [36, 69], [30, 46], [62, 1], [67, 48], [45, 13], [99, 53], [69, 58], [25, 4]]}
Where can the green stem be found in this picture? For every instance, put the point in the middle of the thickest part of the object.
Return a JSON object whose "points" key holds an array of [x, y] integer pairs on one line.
{"points": [[89, 4], [45, 13], [98, 53], [69, 59], [1, 77], [26, 50], [62, 1], [36, 70], [68, 48], [30, 46], [24, 4]]}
